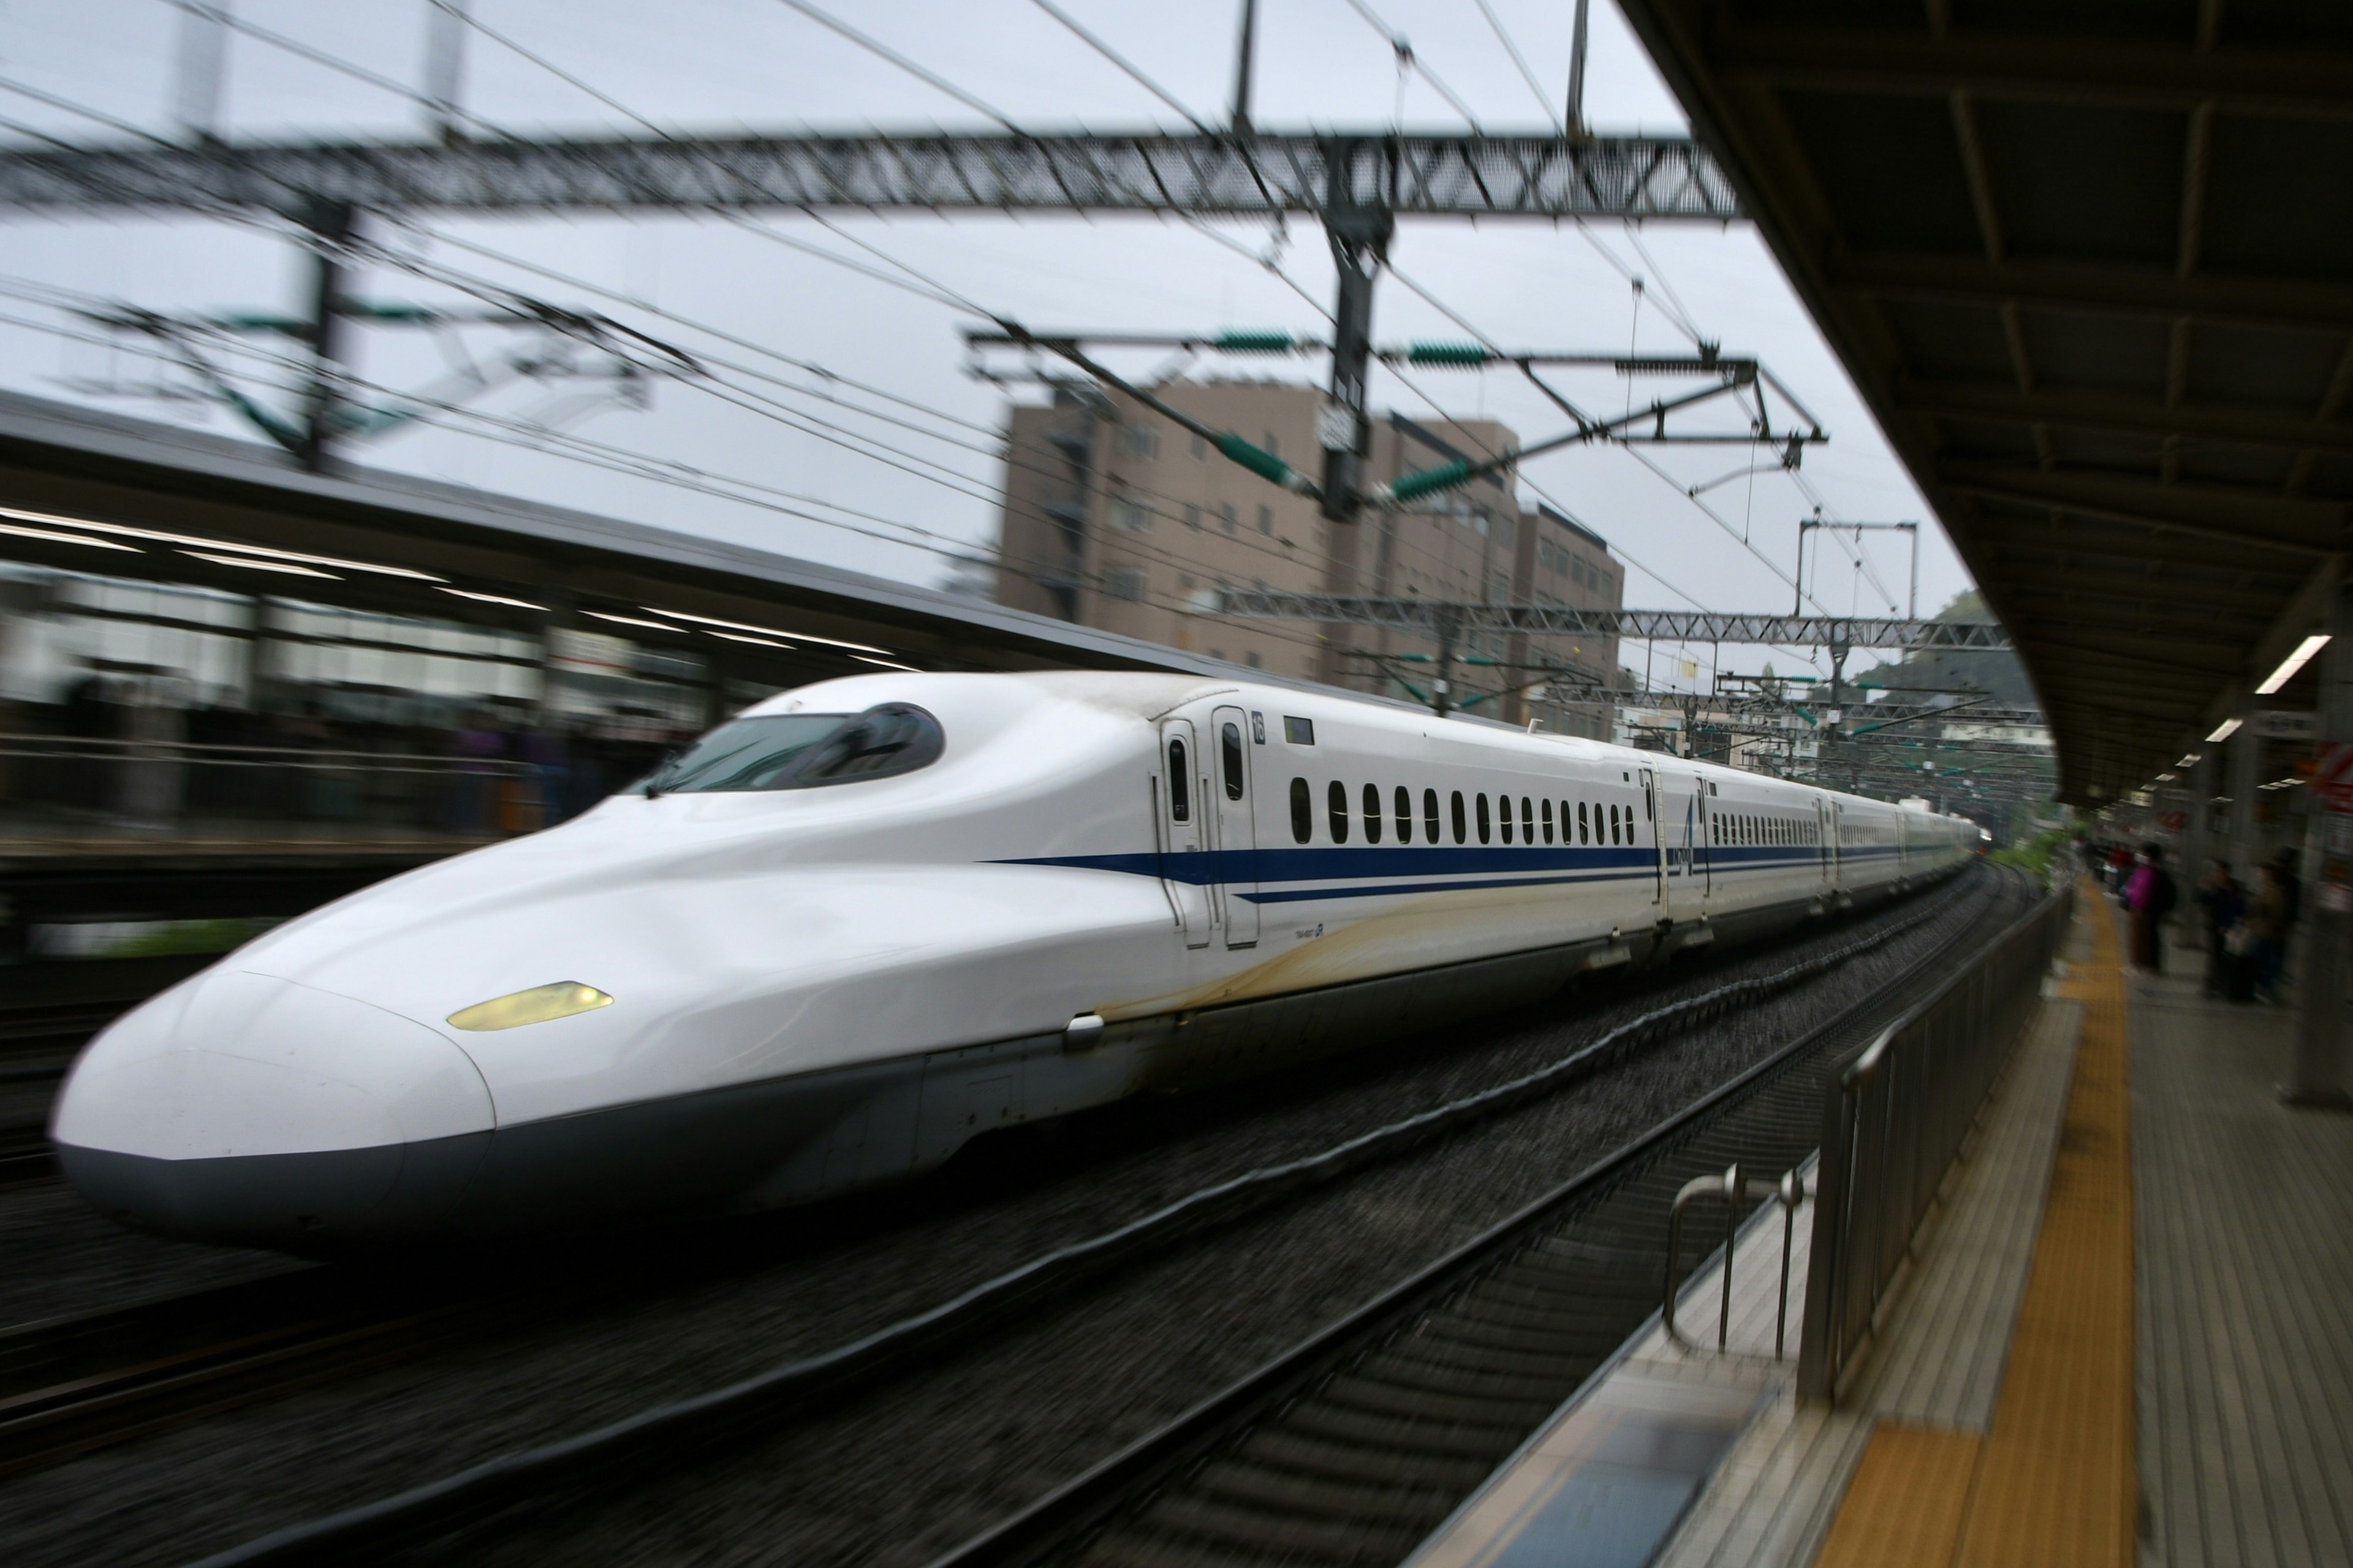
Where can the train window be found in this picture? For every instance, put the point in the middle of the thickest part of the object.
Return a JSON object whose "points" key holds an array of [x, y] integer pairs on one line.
{"points": [[1504, 808], [1528, 821], [1548, 821], [1481, 799], [1299, 731], [1303, 812], [1580, 821], [1338, 798], [805, 751], [1372, 814], [1230, 743], [1459, 834], [1180, 785], [1429, 814], [1405, 815], [1613, 822]]}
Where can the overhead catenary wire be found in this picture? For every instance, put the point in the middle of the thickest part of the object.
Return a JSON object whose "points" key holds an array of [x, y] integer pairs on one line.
{"points": [[885, 51], [1123, 63], [1406, 56], [1504, 36]]}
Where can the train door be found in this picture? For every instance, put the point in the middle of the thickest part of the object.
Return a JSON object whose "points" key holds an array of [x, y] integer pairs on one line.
{"points": [[1825, 845], [1180, 829], [1655, 815], [1682, 840], [1837, 843], [1237, 859]]}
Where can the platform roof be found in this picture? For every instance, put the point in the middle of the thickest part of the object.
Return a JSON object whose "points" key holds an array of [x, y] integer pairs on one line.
{"points": [[2092, 266], [73, 462]]}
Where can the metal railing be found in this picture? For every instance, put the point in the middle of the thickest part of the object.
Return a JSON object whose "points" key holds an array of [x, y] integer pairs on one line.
{"points": [[74, 787], [1893, 1121], [1733, 1188]]}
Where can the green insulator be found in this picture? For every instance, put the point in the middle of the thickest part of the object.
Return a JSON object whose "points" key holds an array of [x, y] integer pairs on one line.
{"points": [[1256, 342], [1446, 354], [1430, 481], [1259, 461]]}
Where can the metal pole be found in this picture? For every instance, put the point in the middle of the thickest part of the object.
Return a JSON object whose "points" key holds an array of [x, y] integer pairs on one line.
{"points": [[2317, 1076], [2246, 778], [331, 222], [1912, 606], [1439, 688], [1243, 48], [1360, 235], [203, 69], [445, 62], [1574, 120]]}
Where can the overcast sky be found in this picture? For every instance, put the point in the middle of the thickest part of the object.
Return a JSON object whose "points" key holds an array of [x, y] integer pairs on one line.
{"points": [[735, 64]]}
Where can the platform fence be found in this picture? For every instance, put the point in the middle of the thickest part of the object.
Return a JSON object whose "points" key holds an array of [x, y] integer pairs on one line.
{"points": [[1893, 1121], [69, 788]]}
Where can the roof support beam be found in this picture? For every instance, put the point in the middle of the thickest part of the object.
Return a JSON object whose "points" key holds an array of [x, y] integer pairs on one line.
{"points": [[2316, 528], [1470, 175], [2048, 66], [2085, 285], [2094, 411], [2140, 546]]}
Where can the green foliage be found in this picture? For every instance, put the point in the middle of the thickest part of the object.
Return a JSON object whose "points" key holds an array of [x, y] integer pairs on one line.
{"points": [[2034, 855], [166, 938]]}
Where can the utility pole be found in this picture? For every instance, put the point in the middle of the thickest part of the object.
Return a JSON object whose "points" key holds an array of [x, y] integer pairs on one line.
{"points": [[331, 222], [445, 62], [1574, 120], [1360, 235], [204, 71], [1244, 47]]}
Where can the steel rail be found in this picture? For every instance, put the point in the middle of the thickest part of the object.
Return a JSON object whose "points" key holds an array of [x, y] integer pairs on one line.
{"points": [[1067, 1515]]}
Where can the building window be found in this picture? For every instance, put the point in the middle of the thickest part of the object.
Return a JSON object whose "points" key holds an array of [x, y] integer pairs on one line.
{"points": [[1200, 448], [1138, 441], [1254, 660], [1226, 517], [1125, 583], [1266, 520], [1192, 515], [1130, 514], [1273, 447]]}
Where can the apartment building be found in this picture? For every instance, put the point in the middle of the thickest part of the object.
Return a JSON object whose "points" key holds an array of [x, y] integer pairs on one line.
{"points": [[1118, 518]]}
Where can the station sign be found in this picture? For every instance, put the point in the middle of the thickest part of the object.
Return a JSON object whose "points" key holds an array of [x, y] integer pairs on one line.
{"points": [[2287, 724]]}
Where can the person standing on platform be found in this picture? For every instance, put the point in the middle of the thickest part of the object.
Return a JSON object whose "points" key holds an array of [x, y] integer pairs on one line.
{"points": [[2220, 900], [2264, 928], [2120, 868], [2150, 896]]}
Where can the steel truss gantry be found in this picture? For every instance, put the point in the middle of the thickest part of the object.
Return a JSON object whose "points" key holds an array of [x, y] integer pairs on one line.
{"points": [[1433, 617], [1256, 174]]}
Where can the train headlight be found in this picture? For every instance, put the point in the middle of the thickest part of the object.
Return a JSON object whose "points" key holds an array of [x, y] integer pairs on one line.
{"points": [[536, 1005]]}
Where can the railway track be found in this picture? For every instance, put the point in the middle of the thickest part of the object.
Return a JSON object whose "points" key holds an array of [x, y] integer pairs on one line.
{"points": [[1348, 1451], [661, 1437]]}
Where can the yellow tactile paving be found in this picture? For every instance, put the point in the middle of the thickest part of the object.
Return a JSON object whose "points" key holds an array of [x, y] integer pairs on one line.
{"points": [[1905, 1502], [2055, 1483], [2051, 1483]]}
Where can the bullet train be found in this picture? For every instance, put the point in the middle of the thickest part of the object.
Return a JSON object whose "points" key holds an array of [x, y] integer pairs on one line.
{"points": [[867, 921]]}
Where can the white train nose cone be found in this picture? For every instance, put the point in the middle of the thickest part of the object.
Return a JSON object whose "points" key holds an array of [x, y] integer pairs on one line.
{"points": [[244, 1107]]}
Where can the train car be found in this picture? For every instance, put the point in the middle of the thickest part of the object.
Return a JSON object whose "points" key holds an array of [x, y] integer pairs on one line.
{"points": [[870, 920]]}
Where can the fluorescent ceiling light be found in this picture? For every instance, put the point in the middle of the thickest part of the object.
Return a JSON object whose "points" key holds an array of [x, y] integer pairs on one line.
{"points": [[2165, 778], [763, 631], [200, 542], [631, 621], [288, 567], [494, 599], [886, 664], [756, 642], [2191, 759], [16, 533], [2224, 731], [2292, 663]]}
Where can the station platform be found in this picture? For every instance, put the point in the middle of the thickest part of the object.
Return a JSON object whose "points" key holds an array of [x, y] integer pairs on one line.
{"points": [[2124, 1336]]}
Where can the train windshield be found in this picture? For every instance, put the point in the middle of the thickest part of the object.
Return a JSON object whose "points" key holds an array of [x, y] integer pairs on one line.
{"points": [[803, 750]]}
